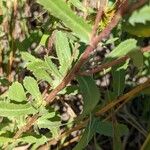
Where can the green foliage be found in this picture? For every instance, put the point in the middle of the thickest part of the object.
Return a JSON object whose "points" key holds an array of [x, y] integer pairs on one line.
{"points": [[139, 22], [14, 110], [61, 10], [39, 54], [90, 92], [18, 96]]}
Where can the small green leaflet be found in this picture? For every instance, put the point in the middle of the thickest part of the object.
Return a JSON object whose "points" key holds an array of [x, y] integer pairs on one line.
{"points": [[38, 67], [28, 57], [44, 39], [139, 22], [140, 16], [61, 10], [90, 93], [53, 68], [12, 110], [51, 121], [16, 92], [36, 141], [32, 87], [63, 51], [122, 49]]}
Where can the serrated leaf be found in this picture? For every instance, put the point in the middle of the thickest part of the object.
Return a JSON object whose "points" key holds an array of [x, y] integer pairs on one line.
{"points": [[12, 110], [90, 93], [139, 22], [88, 134], [32, 87], [61, 10], [16, 92], [53, 68], [50, 121], [36, 141], [5, 140], [39, 68], [28, 57], [122, 49], [140, 16], [63, 51]]}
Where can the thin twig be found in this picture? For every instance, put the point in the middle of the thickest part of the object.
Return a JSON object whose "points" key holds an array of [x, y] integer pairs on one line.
{"points": [[98, 18]]}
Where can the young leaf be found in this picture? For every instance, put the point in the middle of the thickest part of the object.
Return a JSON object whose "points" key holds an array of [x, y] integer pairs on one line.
{"points": [[63, 51], [52, 68], [39, 68], [50, 121], [16, 92], [90, 92], [12, 110], [122, 49], [61, 10], [32, 87], [28, 57], [36, 141]]}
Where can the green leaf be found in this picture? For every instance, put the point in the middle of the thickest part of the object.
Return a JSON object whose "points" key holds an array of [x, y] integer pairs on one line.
{"points": [[28, 57], [118, 74], [44, 39], [39, 68], [90, 92], [61, 10], [36, 141], [63, 51], [50, 121], [12, 110], [16, 92], [106, 128], [140, 16], [146, 144], [139, 22], [122, 49], [140, 30], [52, 68], [32, 87], [137, 57], [5, 140], [88, 134], [27, 42]]}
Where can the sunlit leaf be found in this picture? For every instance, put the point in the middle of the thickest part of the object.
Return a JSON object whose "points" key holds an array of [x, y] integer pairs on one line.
{"points": [[16, 92], [32, 87], [12, 110], [61, 10]]}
